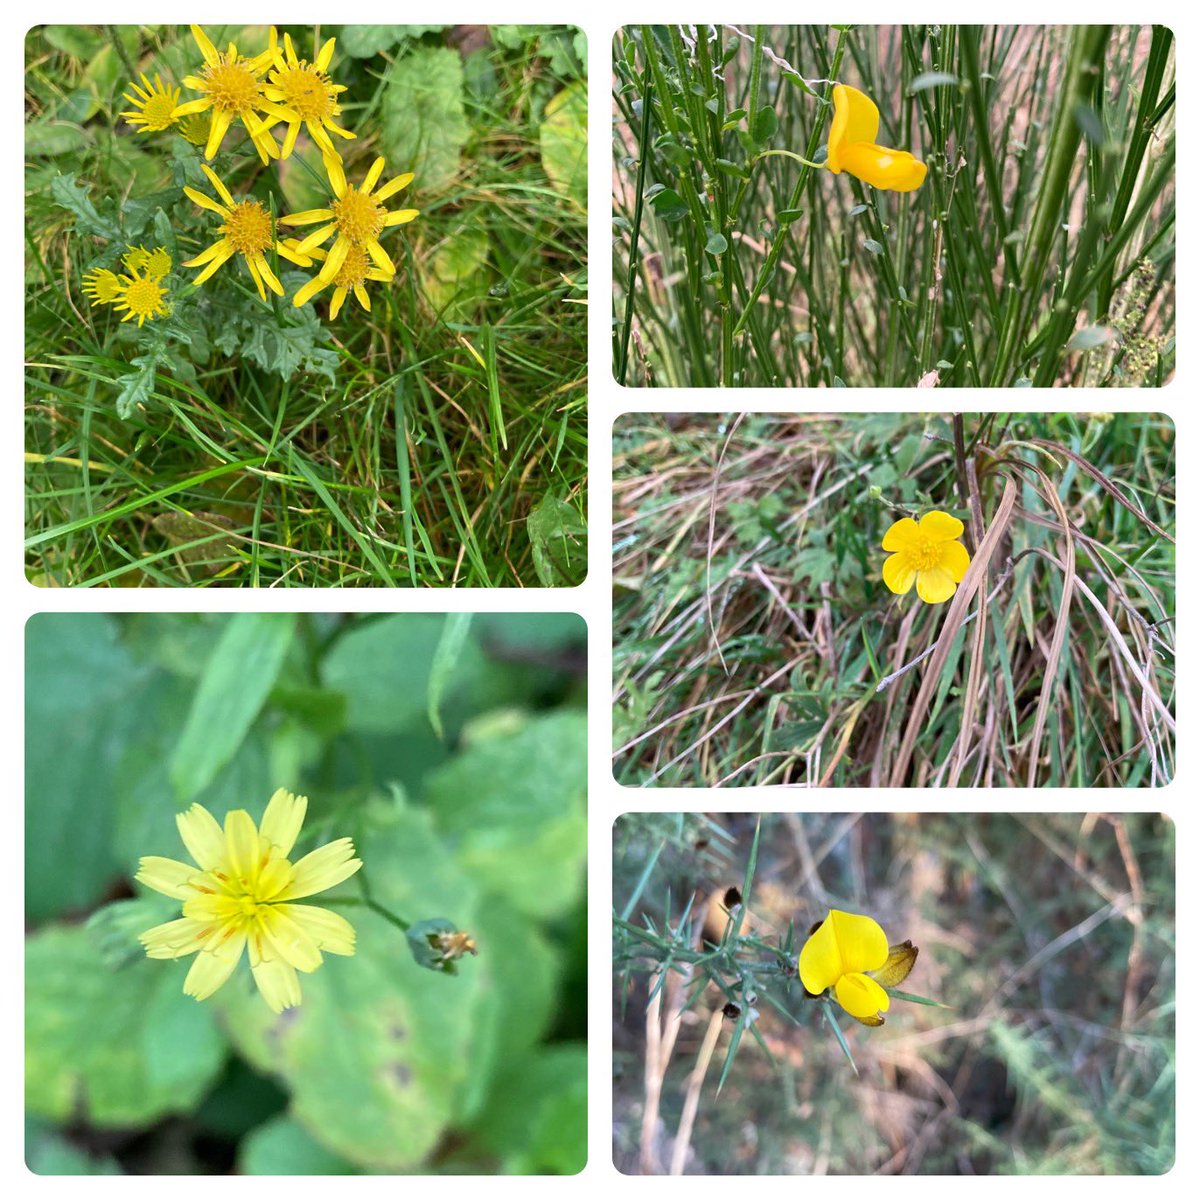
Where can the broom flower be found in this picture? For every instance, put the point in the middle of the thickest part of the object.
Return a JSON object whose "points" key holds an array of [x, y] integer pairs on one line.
{"points": [[852, 145]]}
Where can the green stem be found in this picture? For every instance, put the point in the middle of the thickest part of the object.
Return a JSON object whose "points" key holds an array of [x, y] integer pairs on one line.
{"points": [[816, 166], [114, 36], [636, 232]]}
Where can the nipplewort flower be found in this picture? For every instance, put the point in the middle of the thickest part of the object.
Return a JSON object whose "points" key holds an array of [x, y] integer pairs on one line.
{"points": [[241, 895], [852, 145], [851, 955], [927, 553]]}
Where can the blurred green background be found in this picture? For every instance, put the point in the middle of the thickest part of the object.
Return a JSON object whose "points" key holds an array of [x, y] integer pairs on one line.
{"points": [[1050, 936], [385, 1067]]}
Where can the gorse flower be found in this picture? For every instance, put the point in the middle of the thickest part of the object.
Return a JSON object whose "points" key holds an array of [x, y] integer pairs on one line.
{"points": [[154, 105], [852, 145], [299, 94], [851, 955], [232, 87], [357, 217], [241, 895], [248, 230], [926, 553]]}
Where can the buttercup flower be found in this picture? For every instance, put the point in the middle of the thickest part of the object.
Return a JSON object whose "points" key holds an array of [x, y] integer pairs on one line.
{"points": [[242, 893], [232, 88], [154, 105], [249, 230], [302, 94], [102, 286], [852, 145], [850, 954], [928, 554], [357, 217], [141, 296]]}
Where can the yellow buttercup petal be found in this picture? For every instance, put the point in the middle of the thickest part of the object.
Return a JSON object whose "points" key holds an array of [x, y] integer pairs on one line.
{"points": [[900, 534], [936, 586], [898, 574], [940, 526], [955, 559]]}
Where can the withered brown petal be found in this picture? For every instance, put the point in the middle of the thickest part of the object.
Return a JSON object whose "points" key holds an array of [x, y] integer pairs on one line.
{"points": [[899, 963]]}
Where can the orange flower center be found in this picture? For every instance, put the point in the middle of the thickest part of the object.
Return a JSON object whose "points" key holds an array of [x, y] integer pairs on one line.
{"points": [[923, 553], [354, 269], [249, 227], [231, 85], [305, 92], [359, 217]]}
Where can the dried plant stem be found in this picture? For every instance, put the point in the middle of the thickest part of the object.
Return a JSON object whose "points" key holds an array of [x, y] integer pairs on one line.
{"points": [[683, 1139]]}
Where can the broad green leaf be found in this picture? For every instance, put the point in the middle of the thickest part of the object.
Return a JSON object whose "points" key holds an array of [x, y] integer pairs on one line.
{"points": [[236, 681], [365, 41], [455, 275], [537, 1119], [445, 661], [281, 1146], [384, 668], [46, 1153], [68, 194], [564, 137], [539, 771], [117, 1048], [423, 123], [376, 1057], [53, 138], [558, 535], [77, 676]]}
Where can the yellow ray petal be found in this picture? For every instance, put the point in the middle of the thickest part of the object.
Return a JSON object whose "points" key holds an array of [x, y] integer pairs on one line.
{"points": [[167, 876], [324, 868], [202, 836], [213, 967]]}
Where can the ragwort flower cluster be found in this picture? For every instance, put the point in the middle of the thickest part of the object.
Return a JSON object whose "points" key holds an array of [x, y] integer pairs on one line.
{"points": [[273, 92]]}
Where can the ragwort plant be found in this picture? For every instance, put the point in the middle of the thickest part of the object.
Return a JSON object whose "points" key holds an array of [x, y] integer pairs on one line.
{"points": [[1021, 232], [248, 363]]}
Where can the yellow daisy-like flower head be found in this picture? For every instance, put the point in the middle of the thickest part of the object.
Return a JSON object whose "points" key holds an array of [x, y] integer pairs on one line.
{"points": [[248, 230], [102, 286], [355, 219], [851, 955], [141, 296], [241, 895], [301, 94], [353, 276], [232, 88], [156, 263], [926, 553], [852, 145], [154, 105]]}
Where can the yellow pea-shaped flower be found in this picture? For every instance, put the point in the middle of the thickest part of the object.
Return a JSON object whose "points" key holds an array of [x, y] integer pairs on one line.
{"points": [[852, 145]]}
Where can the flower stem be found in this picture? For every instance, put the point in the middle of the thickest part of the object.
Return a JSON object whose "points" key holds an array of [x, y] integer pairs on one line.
{"points": [[816, 166], [366, 900]]}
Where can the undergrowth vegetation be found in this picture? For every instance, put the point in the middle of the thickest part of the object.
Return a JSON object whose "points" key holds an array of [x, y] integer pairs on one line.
{"points": [[1039, 249], [1049, 939], [755, 641], [437, 439]]}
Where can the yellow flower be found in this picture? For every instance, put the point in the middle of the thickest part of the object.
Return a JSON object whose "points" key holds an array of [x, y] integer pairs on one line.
{"points": [[302, 94], [232, 88], [852, 145], [141, 296], [850, 954], [357, 216], [154, 105], [249, 230], [156, 263], [928, 554], [241, 895], [102, 286], [353, 275]]}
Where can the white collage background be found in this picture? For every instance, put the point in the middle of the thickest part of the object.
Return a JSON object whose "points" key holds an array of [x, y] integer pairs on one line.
{"points": [[1181, 400]]}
